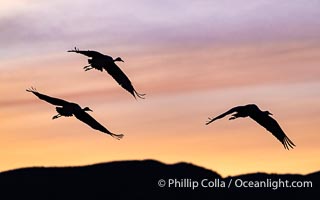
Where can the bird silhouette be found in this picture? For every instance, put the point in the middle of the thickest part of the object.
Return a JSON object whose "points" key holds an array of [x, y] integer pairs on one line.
{"points": [[100, 61], [69, 109], [261, 117]]}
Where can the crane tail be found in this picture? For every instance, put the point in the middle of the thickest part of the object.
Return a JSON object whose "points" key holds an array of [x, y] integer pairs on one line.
{"points": [[117, 136]]}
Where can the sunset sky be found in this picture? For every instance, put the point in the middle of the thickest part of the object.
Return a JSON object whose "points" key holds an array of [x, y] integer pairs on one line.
{"points": [[193, 59]]}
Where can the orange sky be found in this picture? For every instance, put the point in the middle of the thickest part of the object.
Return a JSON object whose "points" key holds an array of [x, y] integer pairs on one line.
{"points": [[194, 62]]}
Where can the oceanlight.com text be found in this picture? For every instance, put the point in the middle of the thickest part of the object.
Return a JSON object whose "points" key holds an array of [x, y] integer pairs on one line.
{"points": [[269, 183], [229, 183]]}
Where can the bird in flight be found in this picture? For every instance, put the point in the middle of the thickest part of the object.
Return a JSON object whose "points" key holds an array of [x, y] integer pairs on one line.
{"points": [[100, 61], [68, 109], [261, 117]]}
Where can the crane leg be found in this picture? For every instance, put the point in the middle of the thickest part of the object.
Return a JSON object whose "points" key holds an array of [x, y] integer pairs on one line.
{"points": [[86, 68], [233, 117], [56, 116]]}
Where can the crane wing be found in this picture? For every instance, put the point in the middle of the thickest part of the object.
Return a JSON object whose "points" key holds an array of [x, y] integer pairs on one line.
{"points": [[122, 79], [88, 53], [86, 118], [272, 126], [52, 100], [222, 115]]}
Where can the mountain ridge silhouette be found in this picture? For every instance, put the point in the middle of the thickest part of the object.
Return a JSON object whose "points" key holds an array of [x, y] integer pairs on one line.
{"points": [[139, 179]]}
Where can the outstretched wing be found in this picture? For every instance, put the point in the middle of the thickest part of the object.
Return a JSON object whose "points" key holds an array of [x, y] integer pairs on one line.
{"points": [[86, 118], [88, 53], [232, 110], [52, 100], [122, 79], [272, 126]]}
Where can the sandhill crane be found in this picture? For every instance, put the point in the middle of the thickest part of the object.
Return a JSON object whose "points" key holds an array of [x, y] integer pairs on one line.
{"points": [[68, 109], [100, 61], [261, 117]]}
